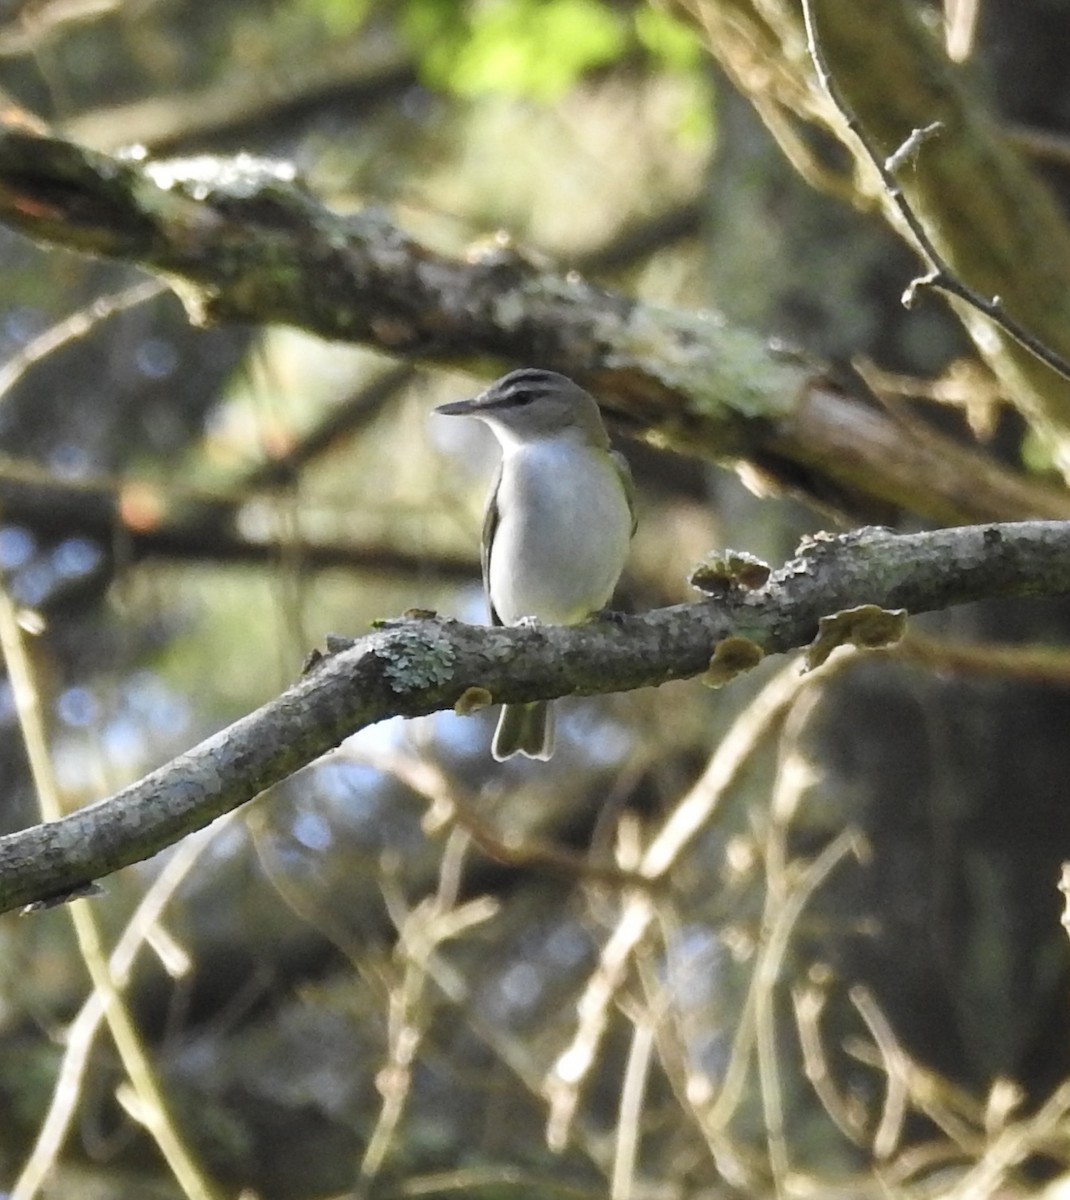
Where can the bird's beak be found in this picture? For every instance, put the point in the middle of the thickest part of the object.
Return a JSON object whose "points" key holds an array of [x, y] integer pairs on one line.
{"points": [[459, 408], [474, 406]]}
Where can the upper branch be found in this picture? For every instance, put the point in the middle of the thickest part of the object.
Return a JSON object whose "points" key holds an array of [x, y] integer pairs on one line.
{"points": [[987, 219], [416, 667], [940, 277], [240, 239]]}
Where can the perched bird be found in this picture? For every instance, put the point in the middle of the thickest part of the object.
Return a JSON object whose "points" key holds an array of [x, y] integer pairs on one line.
{"points": [[559, 519]]}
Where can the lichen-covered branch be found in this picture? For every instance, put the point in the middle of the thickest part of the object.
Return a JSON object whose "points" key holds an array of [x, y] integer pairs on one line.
{"points": [[241, 240], [419, 666]]}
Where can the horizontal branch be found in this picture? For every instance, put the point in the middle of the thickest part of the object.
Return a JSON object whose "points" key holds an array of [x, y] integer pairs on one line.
{"points": [[241, 240], [191, 526], [414, 667]]}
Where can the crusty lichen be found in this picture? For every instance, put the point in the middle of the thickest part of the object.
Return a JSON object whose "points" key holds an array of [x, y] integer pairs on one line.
{"points": [[725, 372], [417, 660]]}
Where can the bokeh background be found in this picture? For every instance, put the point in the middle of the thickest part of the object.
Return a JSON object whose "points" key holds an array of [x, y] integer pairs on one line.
{"points": [[410, 971]]}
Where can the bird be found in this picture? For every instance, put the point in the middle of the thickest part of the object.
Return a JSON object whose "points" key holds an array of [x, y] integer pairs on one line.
{"points": [[559, 520]]}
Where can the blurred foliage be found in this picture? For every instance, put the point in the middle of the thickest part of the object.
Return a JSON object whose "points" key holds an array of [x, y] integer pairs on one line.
{"points": [[538, 48]]}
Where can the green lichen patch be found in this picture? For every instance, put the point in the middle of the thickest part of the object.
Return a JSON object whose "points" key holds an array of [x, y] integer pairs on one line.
{"points": [[415, 661], [725, 372]]}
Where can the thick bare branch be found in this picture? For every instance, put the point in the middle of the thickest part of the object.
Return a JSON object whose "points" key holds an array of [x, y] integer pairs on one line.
{"points": [[419, 666], [242, 241]]}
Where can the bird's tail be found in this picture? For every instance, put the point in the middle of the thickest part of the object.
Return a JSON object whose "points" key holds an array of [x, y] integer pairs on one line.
{"points": [[525, 729]]}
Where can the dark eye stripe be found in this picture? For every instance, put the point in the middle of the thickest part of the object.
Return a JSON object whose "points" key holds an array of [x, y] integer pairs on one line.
{"points": [[523, 386]]}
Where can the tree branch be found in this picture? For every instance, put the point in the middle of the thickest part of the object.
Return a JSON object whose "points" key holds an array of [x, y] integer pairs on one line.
{"points": [[991, 220], [939, 275], [55, 507], [242, 241], [427, 664]]}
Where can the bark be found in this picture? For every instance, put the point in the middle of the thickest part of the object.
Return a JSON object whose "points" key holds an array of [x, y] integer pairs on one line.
{"points": [[241, 240], [427, 664]]}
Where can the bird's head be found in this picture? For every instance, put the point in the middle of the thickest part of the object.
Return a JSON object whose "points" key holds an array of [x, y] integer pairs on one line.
{"points": [[530, 404]]}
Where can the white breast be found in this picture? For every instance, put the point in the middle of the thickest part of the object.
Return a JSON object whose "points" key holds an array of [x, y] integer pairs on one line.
{"points": [[563, 531]]}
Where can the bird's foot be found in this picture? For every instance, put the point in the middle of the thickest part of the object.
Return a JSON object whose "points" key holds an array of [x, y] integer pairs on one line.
{"points": [[608, 616]]}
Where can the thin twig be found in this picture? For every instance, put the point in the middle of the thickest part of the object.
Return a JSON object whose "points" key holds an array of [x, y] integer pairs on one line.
{"points": [[636, 1073], [896, 1069], [152, 1105], [988, 1177], [779, 925], [691, 815], [80, 1033], [939, 277], [1028, 662], [953, 1111], [809, 1003], [452, 803], [76, 326], [355, 412], [97, 507], [421, 930]]}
